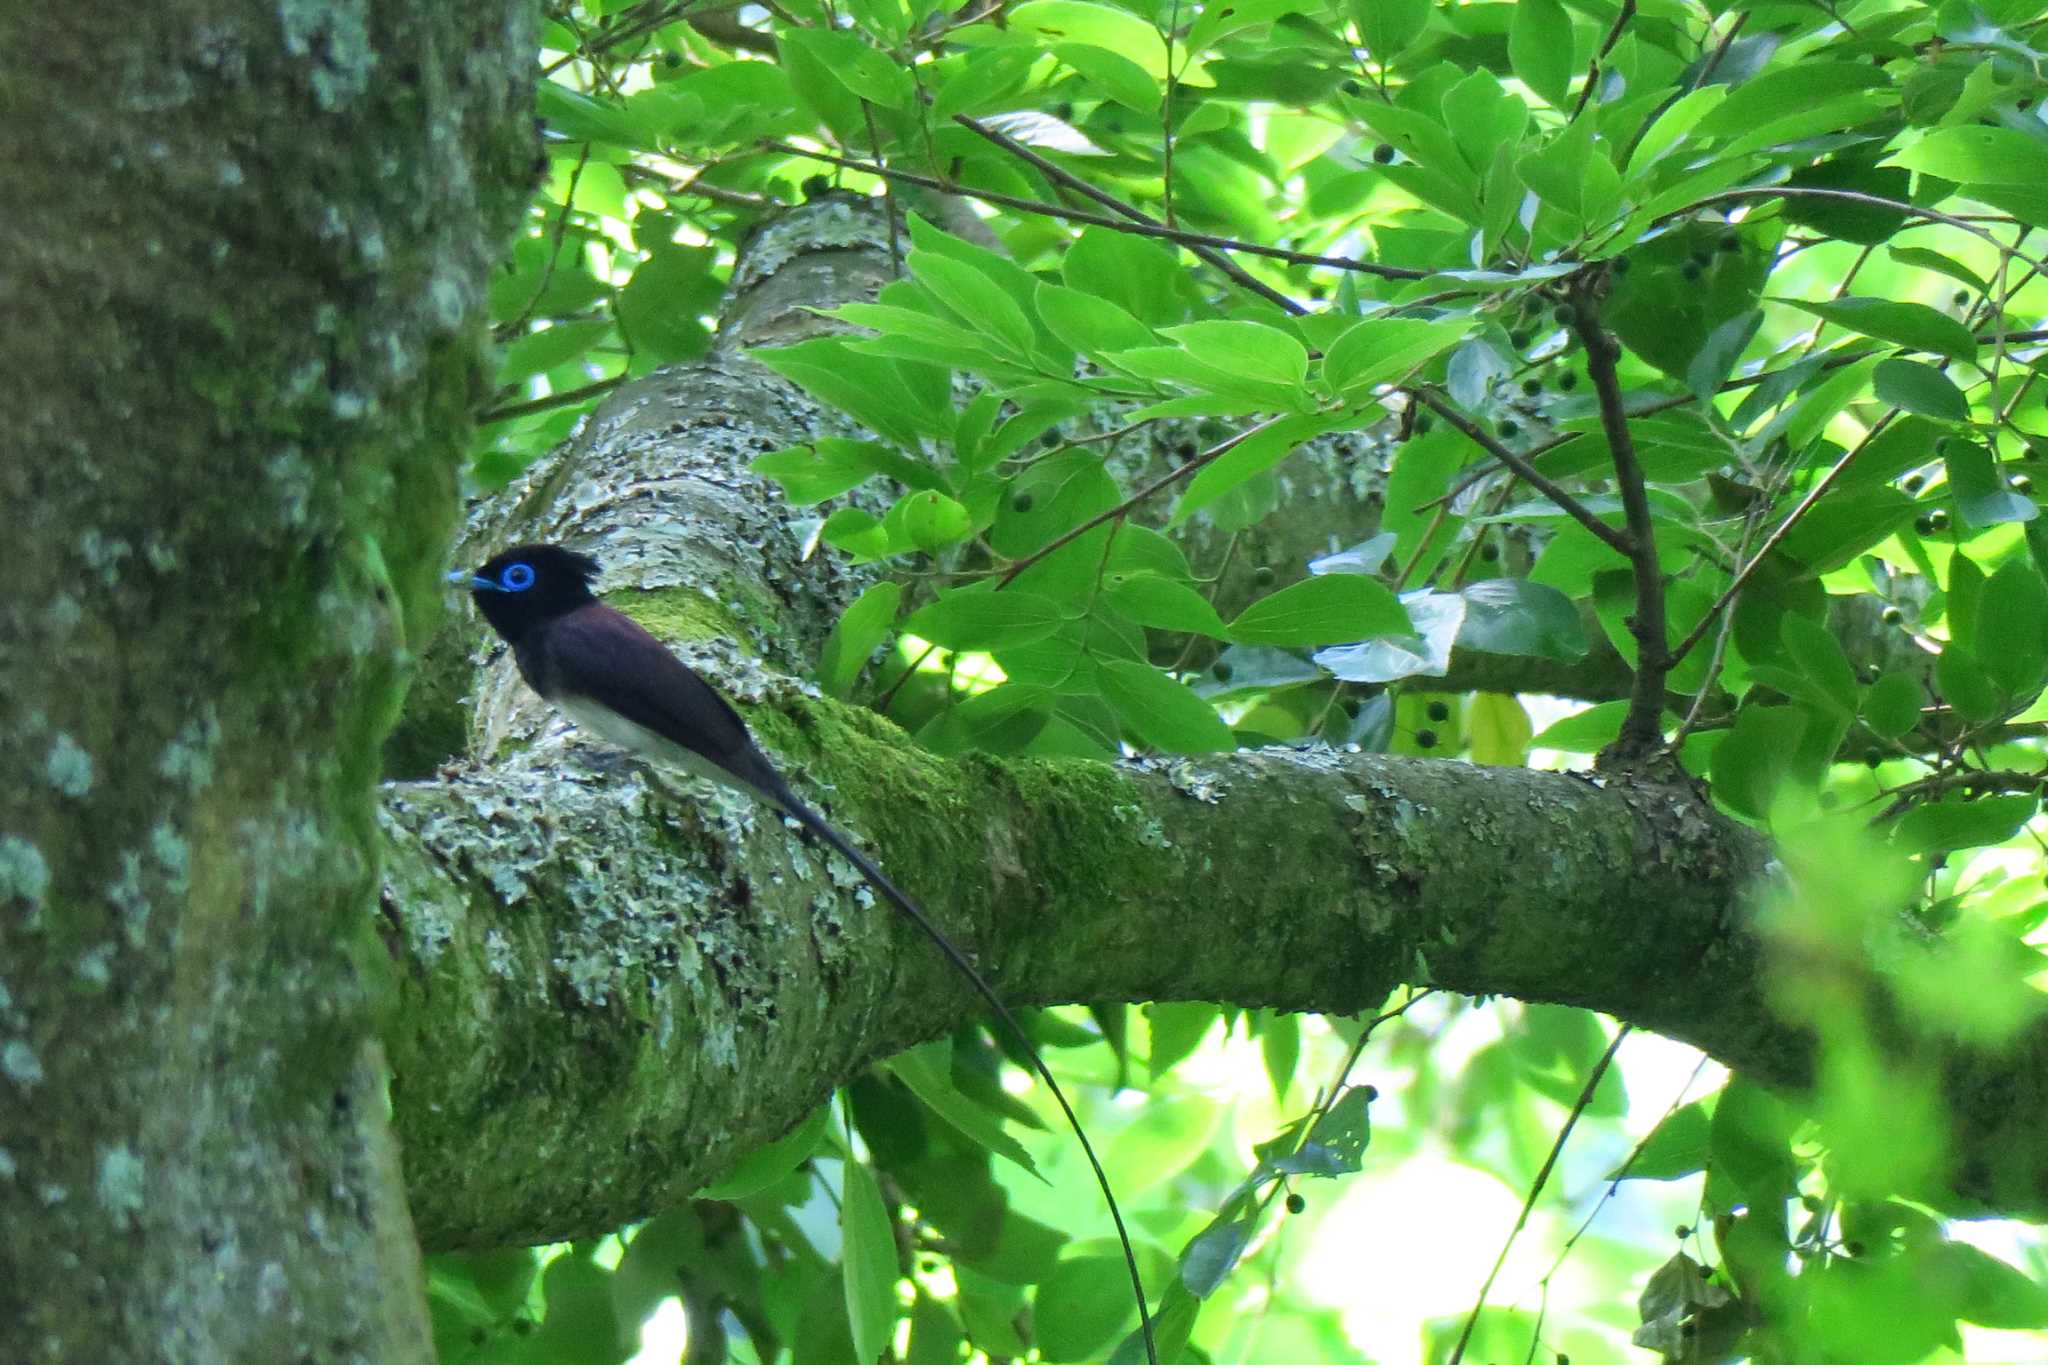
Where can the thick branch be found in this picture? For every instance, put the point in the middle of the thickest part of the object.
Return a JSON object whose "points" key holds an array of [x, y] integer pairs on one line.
{"points": [[611, 994]]}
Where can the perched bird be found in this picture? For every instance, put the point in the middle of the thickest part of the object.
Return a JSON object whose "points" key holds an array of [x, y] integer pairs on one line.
{"points": [[606, 673]]}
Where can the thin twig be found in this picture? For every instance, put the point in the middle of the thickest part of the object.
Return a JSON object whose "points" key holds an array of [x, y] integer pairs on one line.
{"points": [[1535, 478], [1621, 20], [1191, 240], [1123, 509], [1536, 1189], [1642, 730], [1857, 197], [552, 400], [1130, 211]]}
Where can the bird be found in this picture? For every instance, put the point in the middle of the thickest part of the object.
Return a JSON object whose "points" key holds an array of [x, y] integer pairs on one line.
{"points": [[603, 670]]}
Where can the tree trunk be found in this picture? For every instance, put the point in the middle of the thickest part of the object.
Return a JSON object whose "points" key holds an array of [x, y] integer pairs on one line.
{"points": [[246, 250]]}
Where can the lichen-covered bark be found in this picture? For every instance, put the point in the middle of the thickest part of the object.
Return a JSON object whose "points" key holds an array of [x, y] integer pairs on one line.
{"points": [[612, 992], [245, 247], [614, 988]]}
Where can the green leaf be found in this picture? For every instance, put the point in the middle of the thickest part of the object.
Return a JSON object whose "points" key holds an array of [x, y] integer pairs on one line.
{"points": [[1139, 276], [1255, 454], [766, 1165], [867, 73], [1088, 323], [1162, 603], [1162, 712], [869, 1252], [856, 531], [1082, 1307], [1557, 170], [1117, 76], [1953, 823], [1280, 1047], [1588, 732], [926, 1071], [1905, 324], [1891, 708], [825, 469], [1844, 524], [1332, 609], [1251, 349], [2015, 602], [1097, 25], [1819, 658], [935, 1335], [1672, 127], [1497, 730], [1980, 491], [1711, 367], [1966, 687], [581, 118], [1212, 1253], [659, 307], [1344, 1131], [1516, 616], [1849, 220], [976, 299], [1387, 27], [1752, 1136], [1940, 264], [1676, 1148], [1989, 1292], [1382, 350], [981, 620], [1540, 48], [1753, 760], [875, 391], [1978, 155], [538, 352], [862, 627], [1920, 388], [1178, 1028], [919, 328]]}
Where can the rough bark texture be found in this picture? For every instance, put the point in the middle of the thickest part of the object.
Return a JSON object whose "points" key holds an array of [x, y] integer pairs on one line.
{"points": [[606, 1009], [245, 250]]}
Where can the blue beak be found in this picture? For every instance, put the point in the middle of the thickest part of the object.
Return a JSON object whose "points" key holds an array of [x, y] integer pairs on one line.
{"points": [[463, 578]]}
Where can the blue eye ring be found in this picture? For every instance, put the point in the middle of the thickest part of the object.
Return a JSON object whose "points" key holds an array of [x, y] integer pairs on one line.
{"points": [[516, 578]]}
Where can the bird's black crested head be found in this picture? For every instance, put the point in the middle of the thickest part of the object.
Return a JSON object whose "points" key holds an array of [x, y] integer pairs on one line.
{"points": [[527, 585]]}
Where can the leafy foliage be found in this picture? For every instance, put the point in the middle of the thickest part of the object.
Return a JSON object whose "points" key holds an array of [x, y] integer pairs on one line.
{"points": [[1702, 336]]}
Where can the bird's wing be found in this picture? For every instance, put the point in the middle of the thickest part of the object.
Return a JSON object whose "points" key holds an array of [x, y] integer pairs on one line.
{"points": [[598, 655]]}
